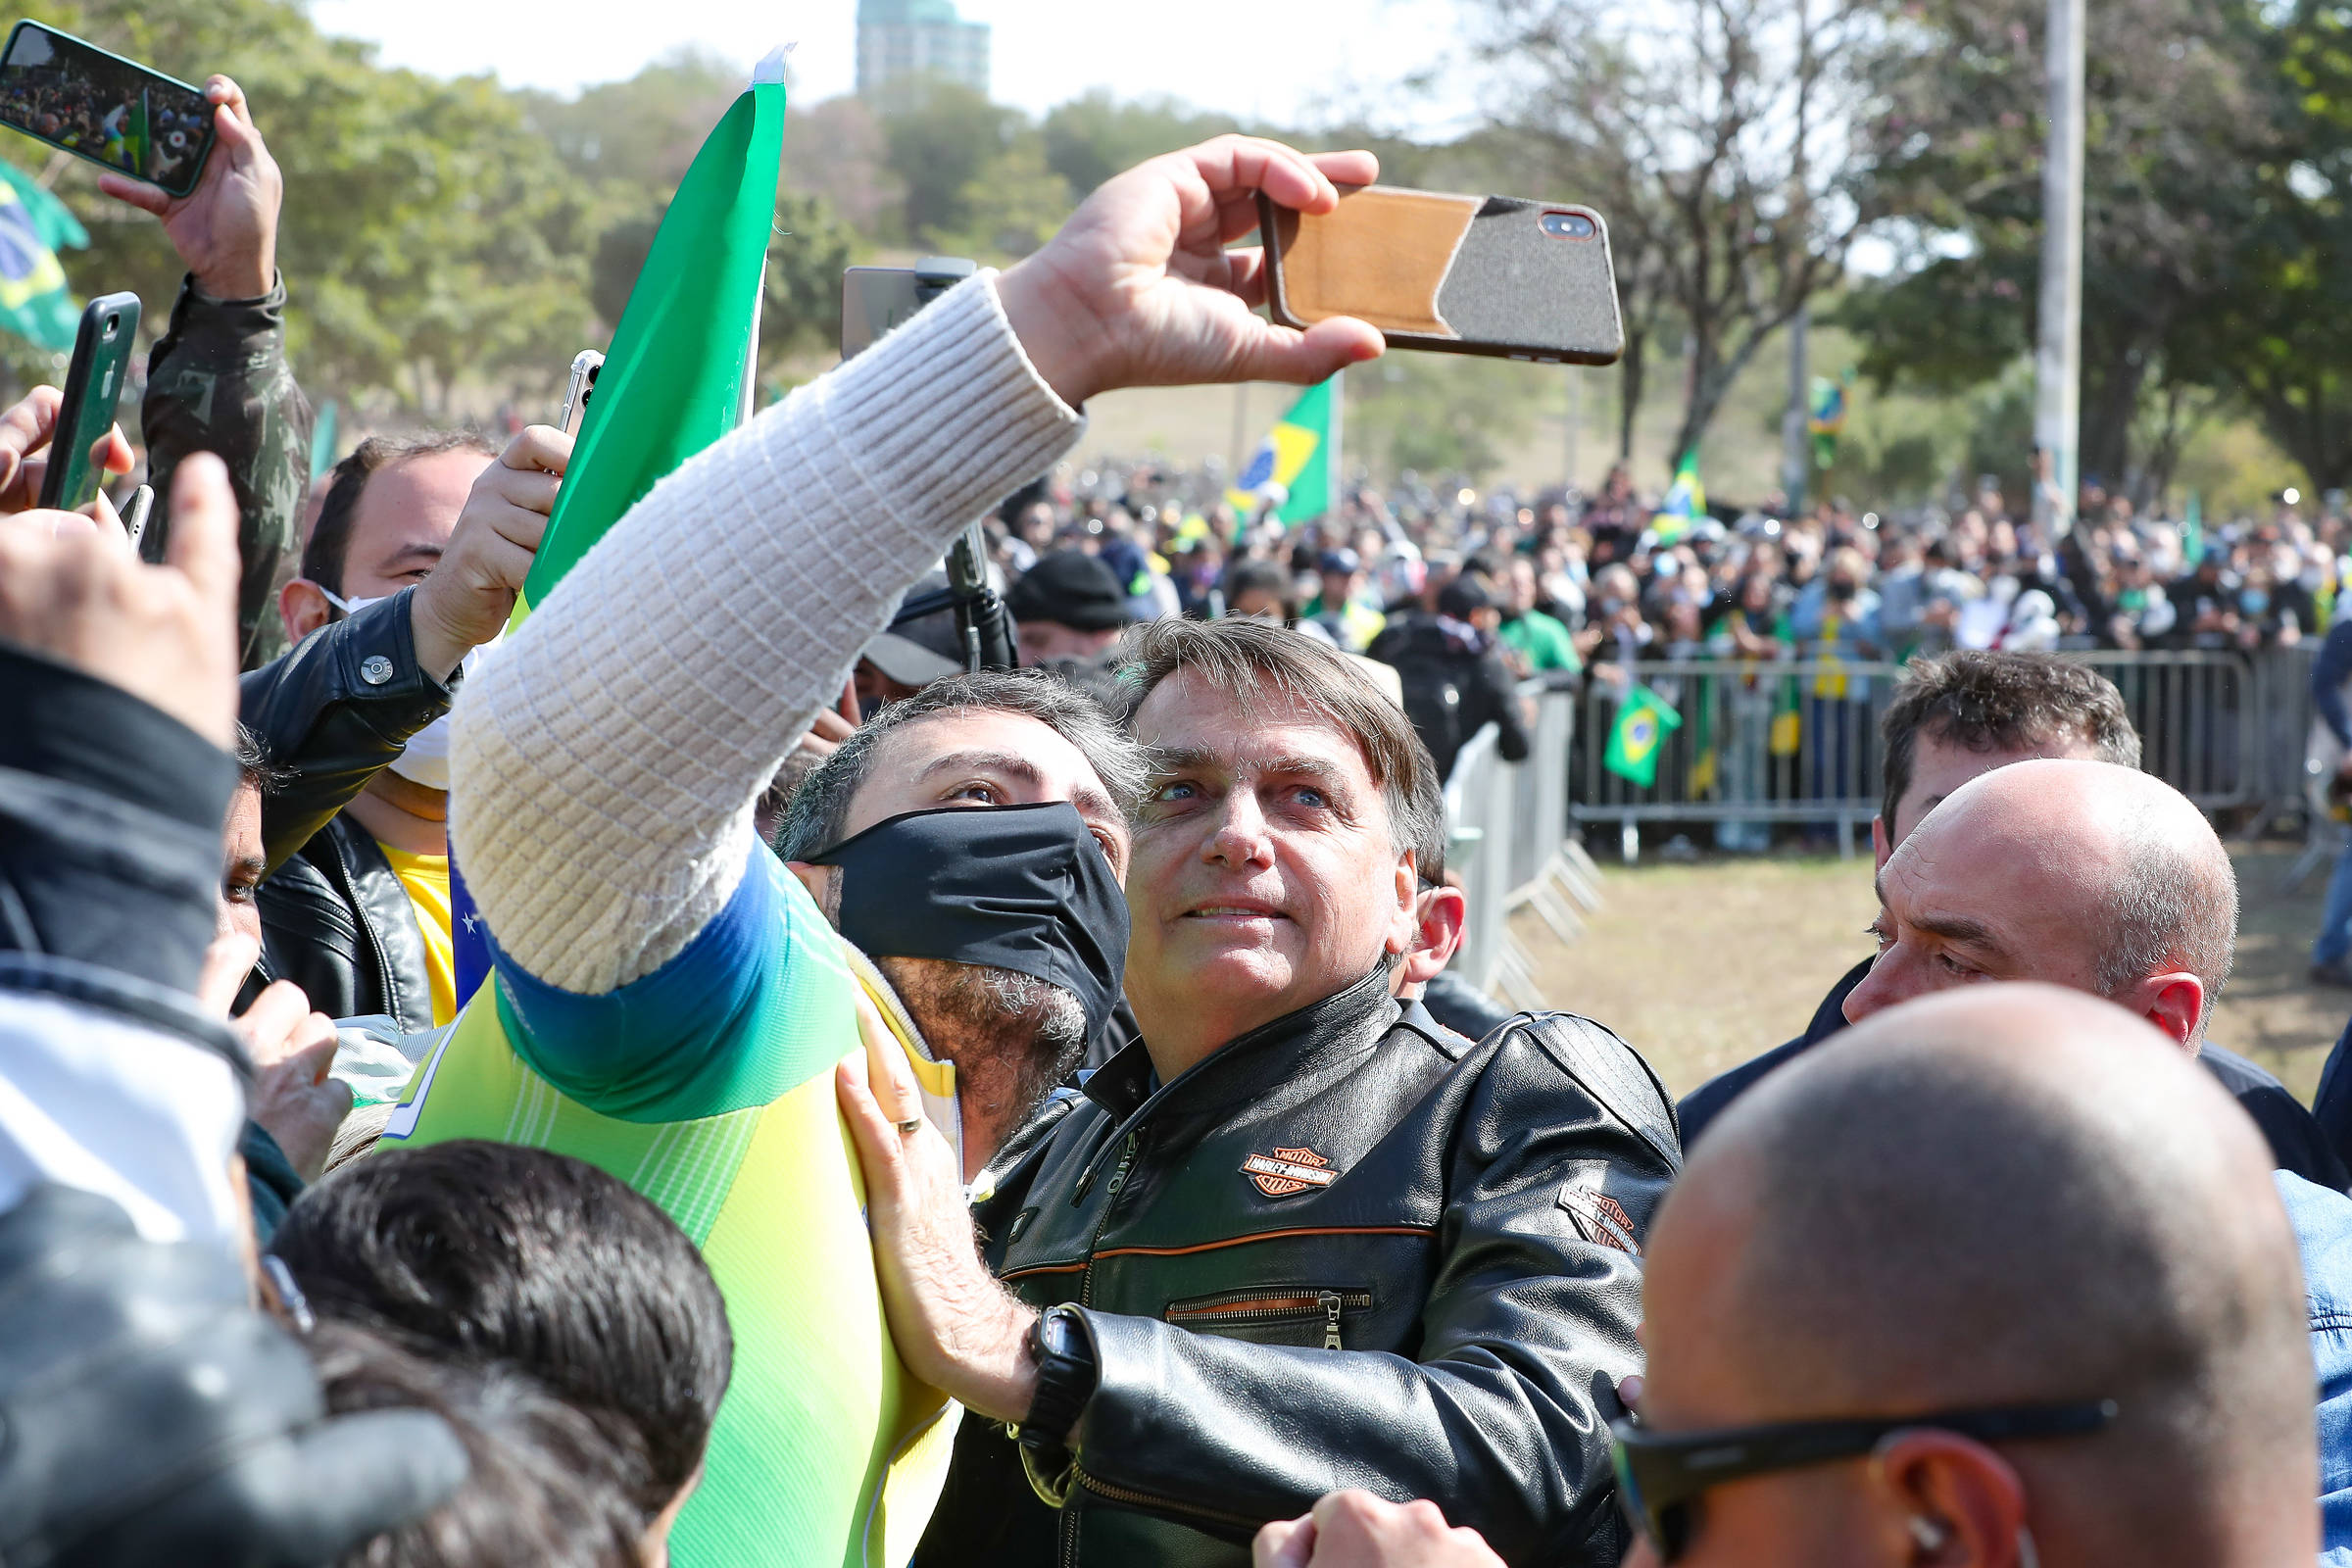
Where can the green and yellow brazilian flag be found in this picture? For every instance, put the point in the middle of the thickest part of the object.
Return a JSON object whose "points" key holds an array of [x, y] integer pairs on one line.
{"points": [[34, 303], [1644, 720], [675, 380]]}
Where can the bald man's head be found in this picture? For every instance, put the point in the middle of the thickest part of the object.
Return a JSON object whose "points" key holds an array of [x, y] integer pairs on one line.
{"points": [[2084, 874], [2008, 1195]]}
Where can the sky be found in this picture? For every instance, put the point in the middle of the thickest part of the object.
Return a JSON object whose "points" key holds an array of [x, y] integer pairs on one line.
{"points": [[1289, 62]]}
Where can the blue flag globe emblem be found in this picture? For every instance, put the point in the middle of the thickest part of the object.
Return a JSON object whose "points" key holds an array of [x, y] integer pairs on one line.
{"points": [[1641, 733], [1260, 469]]}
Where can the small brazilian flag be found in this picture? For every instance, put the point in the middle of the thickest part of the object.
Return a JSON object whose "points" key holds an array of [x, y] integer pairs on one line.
{"points": [[1643, 721], [1292, 465], [1685, 503], [33, 300]]}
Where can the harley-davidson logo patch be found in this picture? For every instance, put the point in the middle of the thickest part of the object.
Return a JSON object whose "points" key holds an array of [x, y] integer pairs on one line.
{"points": [[1601, 1219], [1289, 1170]]}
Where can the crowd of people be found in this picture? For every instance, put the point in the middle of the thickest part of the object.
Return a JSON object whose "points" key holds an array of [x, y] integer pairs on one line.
{"points": [[920, 1113]]}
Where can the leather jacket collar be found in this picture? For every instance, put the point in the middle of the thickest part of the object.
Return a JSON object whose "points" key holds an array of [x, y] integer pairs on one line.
{"points": [[1349, 1021]]}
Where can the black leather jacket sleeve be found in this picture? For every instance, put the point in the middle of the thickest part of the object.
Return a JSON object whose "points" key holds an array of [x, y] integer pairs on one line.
{"points": [[1501, 1413], [333, 712], [110, 813]]}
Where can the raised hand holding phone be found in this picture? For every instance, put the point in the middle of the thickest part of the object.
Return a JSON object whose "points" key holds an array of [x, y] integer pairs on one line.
{"points": [[26, 431], [225, 230]]}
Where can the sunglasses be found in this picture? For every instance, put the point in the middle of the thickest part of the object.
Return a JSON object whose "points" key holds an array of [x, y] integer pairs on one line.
{"points": [[1661, 1475]]}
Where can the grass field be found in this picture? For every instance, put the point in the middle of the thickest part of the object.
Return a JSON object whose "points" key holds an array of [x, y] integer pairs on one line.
{"points": [[1702, 966]]}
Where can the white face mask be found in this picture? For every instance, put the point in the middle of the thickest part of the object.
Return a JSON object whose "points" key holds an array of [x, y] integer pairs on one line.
{"points": [[425, 759]]}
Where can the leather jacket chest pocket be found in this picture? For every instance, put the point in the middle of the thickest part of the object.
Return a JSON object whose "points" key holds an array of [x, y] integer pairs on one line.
{"points": [[1306, 1316]]}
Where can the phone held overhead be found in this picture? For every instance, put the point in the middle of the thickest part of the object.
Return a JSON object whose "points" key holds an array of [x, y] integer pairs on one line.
{"points": [[85, 421], [585, 367], [1498, 275], [117, 112]]}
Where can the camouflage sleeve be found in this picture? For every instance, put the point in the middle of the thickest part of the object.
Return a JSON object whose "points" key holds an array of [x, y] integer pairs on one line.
{"points": [[217, 382]]}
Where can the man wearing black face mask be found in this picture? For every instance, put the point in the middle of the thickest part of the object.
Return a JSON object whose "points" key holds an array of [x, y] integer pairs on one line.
{"points": [[1002, 932]]}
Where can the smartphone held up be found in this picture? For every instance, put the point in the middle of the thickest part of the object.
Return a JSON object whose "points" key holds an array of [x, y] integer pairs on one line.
{"points": [[117, 112], [1497, 275], [85, 419]]}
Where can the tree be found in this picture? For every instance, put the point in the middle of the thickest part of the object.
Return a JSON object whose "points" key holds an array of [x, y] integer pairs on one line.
{"points": [[1089, 139], [1957, 135], [940, 143], [1443, 415], [1718, 139]]}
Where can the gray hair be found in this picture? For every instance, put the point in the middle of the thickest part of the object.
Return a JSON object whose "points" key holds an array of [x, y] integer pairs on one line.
{"points": [[1248, 657], [816, 819], [2169, 905]]}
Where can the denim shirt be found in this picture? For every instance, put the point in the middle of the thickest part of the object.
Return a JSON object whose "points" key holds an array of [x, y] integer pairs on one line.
{"points": [[2323, 1222]]}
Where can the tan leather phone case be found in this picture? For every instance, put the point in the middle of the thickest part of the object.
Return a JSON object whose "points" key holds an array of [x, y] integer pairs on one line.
{"points": [[1464, 274]]}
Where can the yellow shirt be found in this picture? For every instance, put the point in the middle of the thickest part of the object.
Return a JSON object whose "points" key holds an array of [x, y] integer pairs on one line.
{"points": [[426, 880]]}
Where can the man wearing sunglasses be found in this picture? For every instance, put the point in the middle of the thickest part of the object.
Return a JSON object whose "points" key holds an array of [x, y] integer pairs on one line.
{"points": [[1993, 1279]]}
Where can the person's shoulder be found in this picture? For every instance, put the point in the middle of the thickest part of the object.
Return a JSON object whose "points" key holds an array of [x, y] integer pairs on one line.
{"points": [[1583, 1059], [1701, 1105]]}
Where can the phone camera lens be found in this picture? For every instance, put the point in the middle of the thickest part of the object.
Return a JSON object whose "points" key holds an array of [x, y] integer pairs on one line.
{"points": [[1568, 225]]}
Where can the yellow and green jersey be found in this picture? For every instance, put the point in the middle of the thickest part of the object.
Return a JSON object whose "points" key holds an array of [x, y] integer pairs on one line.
{"points": [[707, 1086]]}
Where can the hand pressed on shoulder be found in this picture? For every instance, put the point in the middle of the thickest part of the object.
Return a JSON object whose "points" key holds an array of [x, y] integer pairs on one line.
{"points": [[955, 1328], [1138, 288]]}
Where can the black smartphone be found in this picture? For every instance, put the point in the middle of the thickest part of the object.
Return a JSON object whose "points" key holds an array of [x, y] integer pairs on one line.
{"points": [[114, 112], [110, 329]]}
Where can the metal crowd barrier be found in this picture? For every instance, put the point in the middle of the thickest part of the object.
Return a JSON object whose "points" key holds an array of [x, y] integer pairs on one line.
{"points": [[1766, 743], [1514, 847]]}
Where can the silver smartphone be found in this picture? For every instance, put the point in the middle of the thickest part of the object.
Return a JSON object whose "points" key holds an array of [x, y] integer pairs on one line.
{"points": [[584, 365], [875, 299]]}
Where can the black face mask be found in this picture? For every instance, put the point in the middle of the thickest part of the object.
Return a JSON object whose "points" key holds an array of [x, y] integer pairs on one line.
{"points": [[1024, 888]]}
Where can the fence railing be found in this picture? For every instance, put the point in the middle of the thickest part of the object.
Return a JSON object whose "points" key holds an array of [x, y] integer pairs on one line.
{"points": [[1765, 743], [1515, 845]]}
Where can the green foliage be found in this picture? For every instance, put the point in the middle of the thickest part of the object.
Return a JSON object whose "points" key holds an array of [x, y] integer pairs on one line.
{"points": [[1440, 414], [801, 307], [1089, 139], [942, 144]]}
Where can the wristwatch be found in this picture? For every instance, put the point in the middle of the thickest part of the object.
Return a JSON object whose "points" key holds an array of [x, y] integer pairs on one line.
{"points": [[1067, 1375]]}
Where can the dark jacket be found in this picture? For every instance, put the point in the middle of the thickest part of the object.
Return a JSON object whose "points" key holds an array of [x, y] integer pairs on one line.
{"points": [[1454, 684], [110, 825], [331, 715], [1472, 1255], [217, 382], [2299, 1142]]}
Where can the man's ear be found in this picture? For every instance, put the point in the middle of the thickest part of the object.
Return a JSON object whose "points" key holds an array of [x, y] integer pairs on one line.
{"points": [[1437, 930], [302, 605], [1945, 1501], [1403, 915], [2175, 1002]]}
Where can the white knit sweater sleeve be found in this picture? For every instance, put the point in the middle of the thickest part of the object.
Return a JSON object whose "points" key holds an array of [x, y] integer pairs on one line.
{"points": [[605, 766]]}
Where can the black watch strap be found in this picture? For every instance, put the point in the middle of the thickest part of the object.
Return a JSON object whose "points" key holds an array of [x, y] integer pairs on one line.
{"points": [[1066, 1373]]}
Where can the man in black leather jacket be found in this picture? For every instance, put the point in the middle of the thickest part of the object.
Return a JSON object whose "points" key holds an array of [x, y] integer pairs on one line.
{"points": [[1301, 1237], [335, 712]]}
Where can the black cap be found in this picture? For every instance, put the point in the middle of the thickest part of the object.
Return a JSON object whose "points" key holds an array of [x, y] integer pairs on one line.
{"points": [[1072, 589], [1465, 596]]}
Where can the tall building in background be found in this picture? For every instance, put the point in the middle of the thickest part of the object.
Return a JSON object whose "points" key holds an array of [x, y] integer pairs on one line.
{"points": [[905, 41]]}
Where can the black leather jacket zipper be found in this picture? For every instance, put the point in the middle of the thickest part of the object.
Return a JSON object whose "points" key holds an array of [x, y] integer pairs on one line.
{"points": [[1271, 1304]]}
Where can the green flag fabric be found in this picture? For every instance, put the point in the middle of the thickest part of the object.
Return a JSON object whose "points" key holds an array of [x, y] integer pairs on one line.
{"points": [[1643, 719], [673, 382], [1292, 465], [34, 303], [1685, 502], [322, 439]]}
